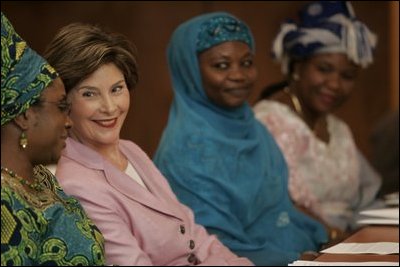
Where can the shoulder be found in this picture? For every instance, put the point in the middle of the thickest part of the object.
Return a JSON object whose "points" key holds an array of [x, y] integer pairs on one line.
{"points": [[88, 186], [270, 107], [277, 116], [76, 178], [68, 167]]}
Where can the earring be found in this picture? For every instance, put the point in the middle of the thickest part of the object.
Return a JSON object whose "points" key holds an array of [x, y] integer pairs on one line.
{"points": [[295, 77], [23, 140]]}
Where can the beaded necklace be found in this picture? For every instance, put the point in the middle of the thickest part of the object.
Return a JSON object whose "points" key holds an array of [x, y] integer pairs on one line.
{"points": [[36, 185]]}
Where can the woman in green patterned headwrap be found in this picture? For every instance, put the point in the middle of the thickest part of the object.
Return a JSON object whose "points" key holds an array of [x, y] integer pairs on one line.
{"points": [[40, 224]]}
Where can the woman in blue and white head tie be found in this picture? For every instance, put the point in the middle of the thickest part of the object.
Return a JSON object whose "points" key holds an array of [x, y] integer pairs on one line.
{"points": [[218, 158], [321, 56]]}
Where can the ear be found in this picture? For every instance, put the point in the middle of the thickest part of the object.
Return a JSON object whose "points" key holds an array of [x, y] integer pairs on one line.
{"points": [[296, 67], [26, 120]]}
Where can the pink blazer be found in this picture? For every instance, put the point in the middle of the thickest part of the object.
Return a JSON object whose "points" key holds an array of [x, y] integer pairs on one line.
{"points": [[140, 226]]}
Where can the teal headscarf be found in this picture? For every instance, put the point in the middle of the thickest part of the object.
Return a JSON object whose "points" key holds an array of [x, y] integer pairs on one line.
{"points": [[224, 164], [24, 74]]}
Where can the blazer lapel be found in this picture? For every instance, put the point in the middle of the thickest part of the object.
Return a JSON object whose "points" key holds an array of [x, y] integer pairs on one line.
{"points": [[159, 196], [124, 183]]}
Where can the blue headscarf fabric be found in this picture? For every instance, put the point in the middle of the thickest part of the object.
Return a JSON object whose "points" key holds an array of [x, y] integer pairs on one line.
{"points": [[24, 74], [221, 29], [227, 167], [325, 26]]}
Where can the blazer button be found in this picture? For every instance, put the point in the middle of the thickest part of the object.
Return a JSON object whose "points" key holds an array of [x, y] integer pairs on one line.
{"points": [[191, 244], [192, 258], [182, 229]]}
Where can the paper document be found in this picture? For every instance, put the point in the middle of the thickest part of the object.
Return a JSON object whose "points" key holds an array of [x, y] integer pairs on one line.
{"points": [[375, 221], [392, 202], [391, 199], [321, 263], [382, 248], [388, 213]]}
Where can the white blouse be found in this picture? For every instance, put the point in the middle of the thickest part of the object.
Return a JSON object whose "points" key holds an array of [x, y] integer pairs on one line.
{"points": [[323, 177], [131, 172]]}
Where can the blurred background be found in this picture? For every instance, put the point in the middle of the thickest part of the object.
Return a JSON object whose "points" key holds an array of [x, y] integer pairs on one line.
{"points": [[149, 24]]}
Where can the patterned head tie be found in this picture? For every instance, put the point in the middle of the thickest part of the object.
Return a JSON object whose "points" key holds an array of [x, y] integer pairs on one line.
{"points": [[325, 26], [221, 29], [24, 74]]}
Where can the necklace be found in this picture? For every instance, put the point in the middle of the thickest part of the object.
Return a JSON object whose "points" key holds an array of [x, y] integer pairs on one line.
{"points": [[295, 101], [36, 185], [297, 107]]}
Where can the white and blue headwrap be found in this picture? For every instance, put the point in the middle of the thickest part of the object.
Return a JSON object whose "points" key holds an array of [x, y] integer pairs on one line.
{"points": [[325, 26]]}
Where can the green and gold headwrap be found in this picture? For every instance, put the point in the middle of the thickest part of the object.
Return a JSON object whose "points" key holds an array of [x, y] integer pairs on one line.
{"points": [[24, 74]]}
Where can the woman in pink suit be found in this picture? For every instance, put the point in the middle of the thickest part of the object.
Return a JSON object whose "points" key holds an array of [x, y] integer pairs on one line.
{"points": [[122, 191]]}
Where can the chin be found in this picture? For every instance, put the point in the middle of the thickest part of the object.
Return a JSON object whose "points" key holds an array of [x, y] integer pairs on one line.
{"points": [[108, 141], [238, 104]]}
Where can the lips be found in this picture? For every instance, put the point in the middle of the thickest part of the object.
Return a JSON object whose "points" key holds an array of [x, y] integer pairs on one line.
{"points": [[238, 92], [327, 99], [63, 138], [106, 123]]}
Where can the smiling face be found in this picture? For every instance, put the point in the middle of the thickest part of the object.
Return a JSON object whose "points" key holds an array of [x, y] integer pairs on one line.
{"points": [[99, 107], [326, 81], [228, 73]]}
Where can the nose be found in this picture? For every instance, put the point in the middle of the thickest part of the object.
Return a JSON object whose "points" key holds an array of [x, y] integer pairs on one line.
{"points": [[68, 123], [108, 105], [237, 74], [334, 82]]}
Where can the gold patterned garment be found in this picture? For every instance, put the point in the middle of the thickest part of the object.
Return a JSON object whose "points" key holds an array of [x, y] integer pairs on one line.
{"points": [[46, 227]]}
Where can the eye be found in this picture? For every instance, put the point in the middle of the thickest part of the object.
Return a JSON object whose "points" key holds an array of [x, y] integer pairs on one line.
{"points": [[349, 76], [221, 65], [248, 63], [88, 94], [324, 68], [117, 89], [64, 107]]}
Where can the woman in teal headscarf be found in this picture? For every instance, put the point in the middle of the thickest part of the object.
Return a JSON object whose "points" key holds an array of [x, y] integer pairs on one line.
{"points": [[40, 224], [218, 159]]}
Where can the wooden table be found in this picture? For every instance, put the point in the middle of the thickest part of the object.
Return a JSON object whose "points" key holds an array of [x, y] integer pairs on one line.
{"points": [[364, 235]]}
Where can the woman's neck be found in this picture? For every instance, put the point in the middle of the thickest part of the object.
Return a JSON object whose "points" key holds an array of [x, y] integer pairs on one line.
{"points": [[17, 161], [109, 151], [310, 118], [316, 122], [115, 156]]}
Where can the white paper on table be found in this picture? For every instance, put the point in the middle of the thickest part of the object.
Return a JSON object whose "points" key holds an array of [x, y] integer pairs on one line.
{"points": [[394, 195], [378, 221], [388, 213], [322, 263], [381, 248], [391, 202]]}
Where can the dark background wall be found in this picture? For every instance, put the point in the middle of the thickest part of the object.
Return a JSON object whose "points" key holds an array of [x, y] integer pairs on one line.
{"points": [[149, 24]]}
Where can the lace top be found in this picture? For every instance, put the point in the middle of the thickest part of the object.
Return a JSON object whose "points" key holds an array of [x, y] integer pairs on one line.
{"points": [[324, 177]]}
